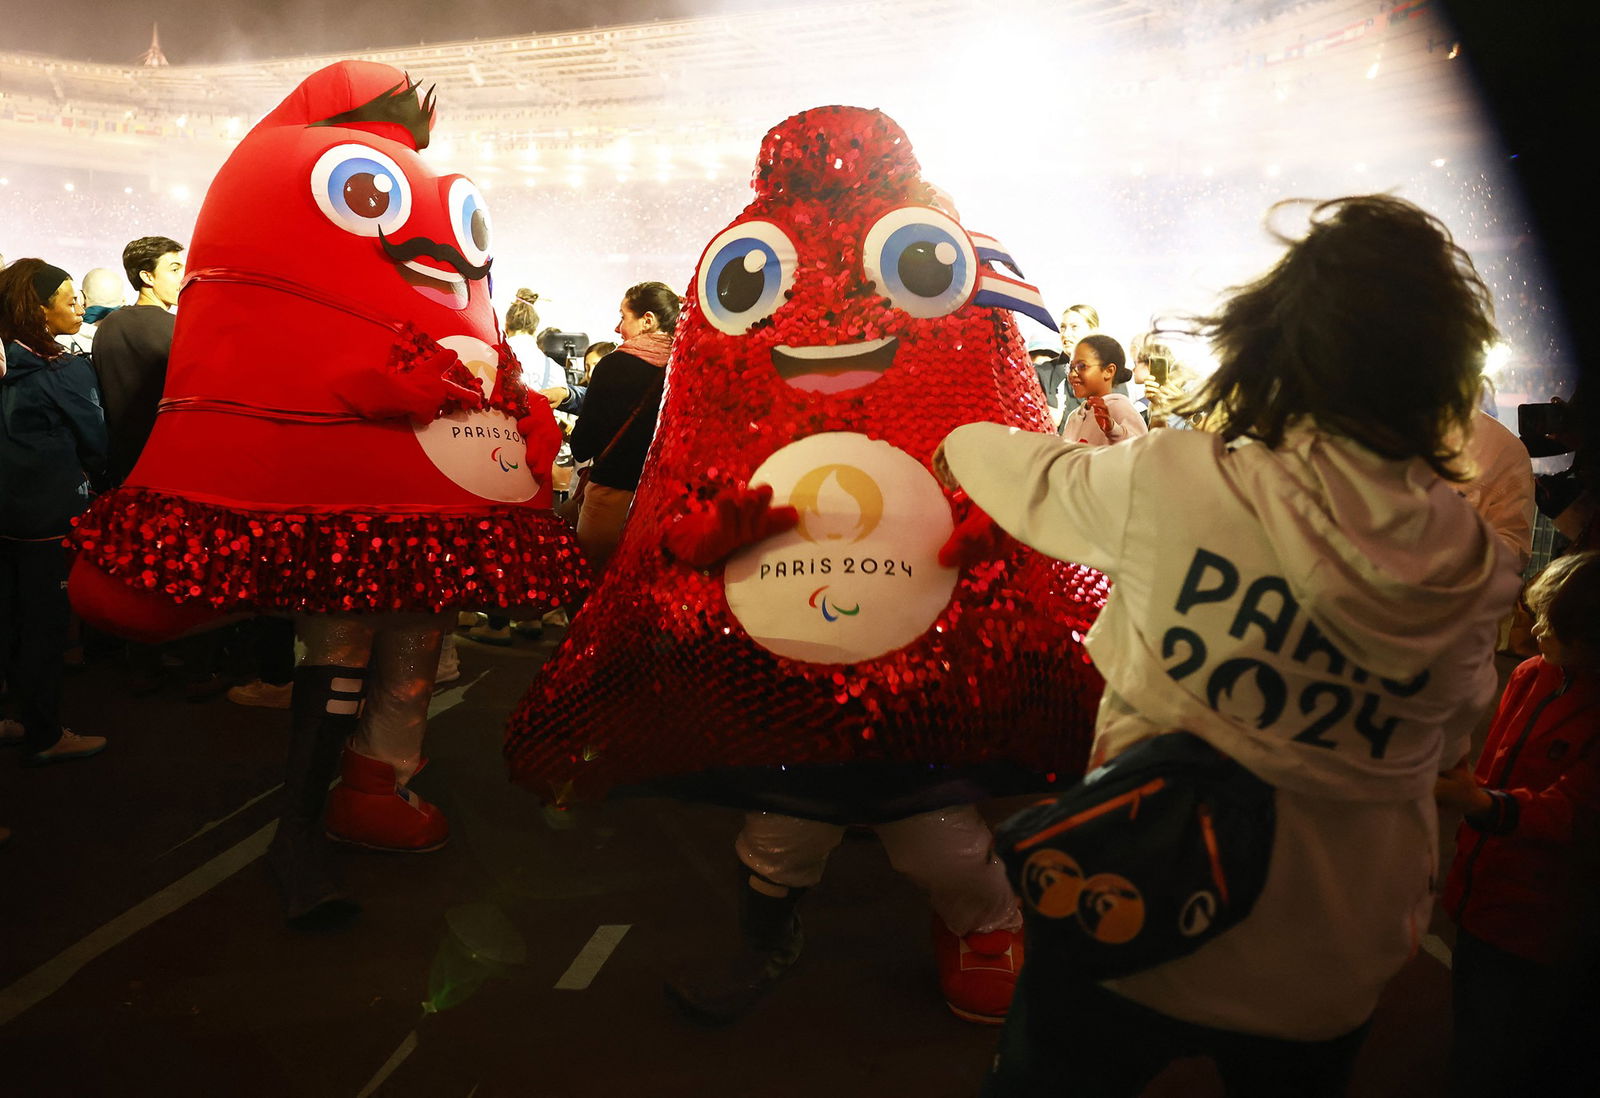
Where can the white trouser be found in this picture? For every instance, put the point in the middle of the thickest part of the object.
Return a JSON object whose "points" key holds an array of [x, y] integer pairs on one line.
{"points": [[948, 853], [401, 654]]}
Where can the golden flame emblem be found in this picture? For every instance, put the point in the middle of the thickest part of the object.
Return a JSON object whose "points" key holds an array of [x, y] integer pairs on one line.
{"points": [[837, 503]]}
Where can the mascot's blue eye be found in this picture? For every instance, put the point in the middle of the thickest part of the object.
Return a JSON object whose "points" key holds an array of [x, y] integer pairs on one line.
{"points": [[361, 190], [469, 217], [744, 274], [921, 260]]}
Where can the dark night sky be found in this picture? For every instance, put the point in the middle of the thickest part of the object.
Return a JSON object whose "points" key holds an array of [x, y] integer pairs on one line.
{"points": [[203, 31]]}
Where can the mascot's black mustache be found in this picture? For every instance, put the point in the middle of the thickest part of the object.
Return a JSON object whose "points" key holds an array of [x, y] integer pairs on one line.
{"points": [[420, 245]]}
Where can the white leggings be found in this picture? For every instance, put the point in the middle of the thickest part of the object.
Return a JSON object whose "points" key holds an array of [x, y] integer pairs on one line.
{"points": [[948, 853], [401, 652]]}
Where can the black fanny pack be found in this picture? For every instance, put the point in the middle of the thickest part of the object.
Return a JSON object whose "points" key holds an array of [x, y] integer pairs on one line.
{"points": [[1143, 861]]}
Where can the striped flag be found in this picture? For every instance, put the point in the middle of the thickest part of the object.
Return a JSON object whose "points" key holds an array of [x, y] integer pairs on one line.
{"points": [[1003, 292], [992, 251]]}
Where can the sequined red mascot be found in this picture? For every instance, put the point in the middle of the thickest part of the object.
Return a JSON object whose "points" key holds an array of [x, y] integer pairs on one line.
{"points": [[344, 437], [799, 620]]}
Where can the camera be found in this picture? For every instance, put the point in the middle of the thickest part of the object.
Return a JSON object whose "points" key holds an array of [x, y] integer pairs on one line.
{"points": [[1547, 429], [563, 346]]}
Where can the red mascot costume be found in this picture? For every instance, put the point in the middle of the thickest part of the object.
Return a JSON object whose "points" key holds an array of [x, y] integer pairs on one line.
{"points": [[343, 437], [800, 621]]}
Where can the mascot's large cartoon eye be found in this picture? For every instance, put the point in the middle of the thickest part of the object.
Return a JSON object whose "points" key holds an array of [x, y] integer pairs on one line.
{"points": [[744, 274], [469, 217], [361, 190], [921, 260]]}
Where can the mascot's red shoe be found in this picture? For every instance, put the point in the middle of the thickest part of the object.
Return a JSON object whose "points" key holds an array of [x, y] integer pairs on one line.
{"points": [[370, 808], [978, 972]]}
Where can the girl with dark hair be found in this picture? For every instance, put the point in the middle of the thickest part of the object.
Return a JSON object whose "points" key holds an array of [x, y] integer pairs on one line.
{"points": [[619, 416], [52, 444], [1103, 416], [1309, 594]]}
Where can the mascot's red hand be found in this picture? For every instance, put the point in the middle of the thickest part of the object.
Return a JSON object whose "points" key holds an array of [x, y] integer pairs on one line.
{"points": [[419, 392], [1102, 414], [542, 434], [738, 516], [975, 538]]}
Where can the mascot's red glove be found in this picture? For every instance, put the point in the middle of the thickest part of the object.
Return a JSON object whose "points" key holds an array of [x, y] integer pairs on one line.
{"points": [[975, 538], [542, 434], [419, 392], [738, 516], [1102, 414]]}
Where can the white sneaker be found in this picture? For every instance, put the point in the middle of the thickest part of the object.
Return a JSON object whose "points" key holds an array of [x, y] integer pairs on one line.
{"points": [[11, 732], [262, 694], [487, 634], [70, 746]]}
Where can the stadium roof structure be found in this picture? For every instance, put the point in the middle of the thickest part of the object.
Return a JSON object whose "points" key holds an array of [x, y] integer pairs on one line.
{"points": [[698, 81], [642, 63]]}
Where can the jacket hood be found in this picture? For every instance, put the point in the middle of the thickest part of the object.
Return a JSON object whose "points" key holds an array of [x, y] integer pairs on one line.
{"points": [[20, 362], [1387, 557]]}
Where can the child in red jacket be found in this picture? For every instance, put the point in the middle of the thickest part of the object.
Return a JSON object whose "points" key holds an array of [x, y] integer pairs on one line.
{"points": [[1525, 885]]}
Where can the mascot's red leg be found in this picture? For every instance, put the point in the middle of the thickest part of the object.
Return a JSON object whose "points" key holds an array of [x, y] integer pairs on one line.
{"points": [[977, 927], [372, 805], [111, 606]]}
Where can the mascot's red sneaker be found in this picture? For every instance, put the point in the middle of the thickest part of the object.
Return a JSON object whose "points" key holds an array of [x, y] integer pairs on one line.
{"points": [[978, 972], [370, 808]]}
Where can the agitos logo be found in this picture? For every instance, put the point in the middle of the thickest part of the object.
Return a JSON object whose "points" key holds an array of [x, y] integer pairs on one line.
{"points": [[505, 466], [838, 504], [831, 613]]}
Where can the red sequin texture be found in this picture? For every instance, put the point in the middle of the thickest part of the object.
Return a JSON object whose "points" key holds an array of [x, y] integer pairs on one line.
{"points": [[659, 678], [506, 558]]}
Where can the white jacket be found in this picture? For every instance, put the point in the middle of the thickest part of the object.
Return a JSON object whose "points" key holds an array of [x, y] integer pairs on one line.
{"points": [[1322, 614], [1502, 484]]}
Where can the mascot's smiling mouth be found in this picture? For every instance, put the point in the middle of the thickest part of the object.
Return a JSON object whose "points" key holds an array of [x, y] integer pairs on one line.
{"points": [[834, 368], [441, 287]]}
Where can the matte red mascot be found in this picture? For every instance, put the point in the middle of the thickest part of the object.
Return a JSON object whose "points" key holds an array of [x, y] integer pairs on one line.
{"points": [[343, 437], [799, 620]]}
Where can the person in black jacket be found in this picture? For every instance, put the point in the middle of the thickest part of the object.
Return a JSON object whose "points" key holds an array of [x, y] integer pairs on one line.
{"points": [[619, 416], [52, 453]]}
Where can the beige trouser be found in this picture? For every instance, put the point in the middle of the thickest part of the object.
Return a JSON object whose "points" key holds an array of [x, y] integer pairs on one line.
{"points": [[948, 853], [600, 522]]}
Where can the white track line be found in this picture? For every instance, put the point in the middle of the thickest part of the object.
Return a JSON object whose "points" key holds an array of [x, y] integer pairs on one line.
{"points": [[218, 823], [452, 695], [586, 966], [407, 1047], [1434, 946], [49, 977]]}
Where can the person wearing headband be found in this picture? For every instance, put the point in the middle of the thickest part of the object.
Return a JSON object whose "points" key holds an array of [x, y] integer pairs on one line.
{"points": [[52, 456]]}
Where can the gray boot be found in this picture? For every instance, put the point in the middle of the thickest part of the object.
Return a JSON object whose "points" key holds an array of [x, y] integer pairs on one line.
{"points": [[727, 989], [301, 857]]}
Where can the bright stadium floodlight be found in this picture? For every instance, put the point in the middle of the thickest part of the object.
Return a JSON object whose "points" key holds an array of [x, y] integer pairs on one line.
{"points": [[68, 187]]}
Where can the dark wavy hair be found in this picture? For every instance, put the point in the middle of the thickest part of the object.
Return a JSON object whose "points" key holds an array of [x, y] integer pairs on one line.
{"points": [[1373, 324], [654, 297], [139, 256], [1111, 354], [21, 311]]}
